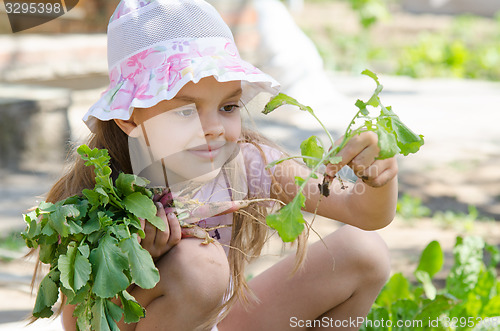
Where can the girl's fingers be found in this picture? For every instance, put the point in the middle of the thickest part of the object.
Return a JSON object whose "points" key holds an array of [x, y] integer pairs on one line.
{"points": [[161, 237], [143, 224], [354, 148], [380, 172], [175, 230], [364, 160], [150, 234]]}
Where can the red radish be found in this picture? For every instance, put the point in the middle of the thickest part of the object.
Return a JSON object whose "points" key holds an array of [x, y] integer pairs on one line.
{"points": [[195, 231], [217, 208]]}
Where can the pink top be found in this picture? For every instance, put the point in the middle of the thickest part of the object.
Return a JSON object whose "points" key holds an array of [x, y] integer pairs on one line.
{"points": [[258, 185]]}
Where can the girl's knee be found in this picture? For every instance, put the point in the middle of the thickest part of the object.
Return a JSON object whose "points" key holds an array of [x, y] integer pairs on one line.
{"points": [[369, 253], [199, 272]]}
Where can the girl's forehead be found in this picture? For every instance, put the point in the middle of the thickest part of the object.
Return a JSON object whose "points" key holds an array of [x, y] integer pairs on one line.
{"points": [[209, 88]]}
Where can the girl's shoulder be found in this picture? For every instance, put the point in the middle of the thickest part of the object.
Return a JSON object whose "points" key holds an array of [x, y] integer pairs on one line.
{"points": [[259, 179], [258, 155]]}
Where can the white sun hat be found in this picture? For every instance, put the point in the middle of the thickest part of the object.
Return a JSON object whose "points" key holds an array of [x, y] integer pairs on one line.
{"points": [[155, 47]]}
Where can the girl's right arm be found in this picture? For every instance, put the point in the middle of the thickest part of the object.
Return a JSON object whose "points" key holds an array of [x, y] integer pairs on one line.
{"points": [[369, 204]]}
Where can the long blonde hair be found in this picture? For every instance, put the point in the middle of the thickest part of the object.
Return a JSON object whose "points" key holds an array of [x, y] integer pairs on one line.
{"points": [[249, 230]]}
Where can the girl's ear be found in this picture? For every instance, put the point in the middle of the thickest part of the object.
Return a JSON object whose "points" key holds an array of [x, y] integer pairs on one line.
{"points": [[128, 126]]}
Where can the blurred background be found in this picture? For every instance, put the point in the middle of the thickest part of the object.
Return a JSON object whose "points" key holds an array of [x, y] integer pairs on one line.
{"points": [[439, 62]]}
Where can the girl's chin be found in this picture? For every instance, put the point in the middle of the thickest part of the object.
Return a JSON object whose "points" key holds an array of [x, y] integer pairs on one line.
{"points": [[197, 175]]}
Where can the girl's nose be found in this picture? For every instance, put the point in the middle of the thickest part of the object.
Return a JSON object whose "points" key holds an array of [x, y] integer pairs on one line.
{"points": [[212, 126]]}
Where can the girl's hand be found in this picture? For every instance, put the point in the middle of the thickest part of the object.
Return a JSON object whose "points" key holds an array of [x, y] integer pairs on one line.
{"points": [[158, 242], [359, 154]]}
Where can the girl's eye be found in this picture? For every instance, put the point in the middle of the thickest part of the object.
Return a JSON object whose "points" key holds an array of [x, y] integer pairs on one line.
{"points": [[230, 108], [185, 112]]}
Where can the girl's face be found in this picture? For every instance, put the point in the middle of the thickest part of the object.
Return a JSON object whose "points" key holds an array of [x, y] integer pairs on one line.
{"points": [[189, 137]]}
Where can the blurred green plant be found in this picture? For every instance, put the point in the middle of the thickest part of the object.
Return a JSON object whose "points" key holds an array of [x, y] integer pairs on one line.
{"points": [[469, 48], [370, 11], [463, 51], [471, 293], [459, 220], [409, 207], [355, 50], [10, 245], [12, 241]]}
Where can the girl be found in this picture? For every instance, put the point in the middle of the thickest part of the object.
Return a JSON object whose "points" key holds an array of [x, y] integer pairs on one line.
{"points": [[172, 113]]}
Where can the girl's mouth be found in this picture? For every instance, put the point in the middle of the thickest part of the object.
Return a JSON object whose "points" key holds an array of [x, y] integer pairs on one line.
{"points": [[207, 151]]}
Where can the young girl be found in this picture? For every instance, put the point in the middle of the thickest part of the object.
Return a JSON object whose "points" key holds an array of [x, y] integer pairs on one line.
{"points": [[172, 113]]}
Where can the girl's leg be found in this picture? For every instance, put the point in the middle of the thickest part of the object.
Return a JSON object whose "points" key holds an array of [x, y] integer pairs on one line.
{"points": [[323, 290], [193, 281]]}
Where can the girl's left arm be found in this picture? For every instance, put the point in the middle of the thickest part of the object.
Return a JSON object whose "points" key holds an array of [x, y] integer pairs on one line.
{"points": [[369, 204]]}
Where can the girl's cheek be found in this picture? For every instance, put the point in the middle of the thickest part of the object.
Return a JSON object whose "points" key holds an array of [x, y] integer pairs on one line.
{"points": [[233, 129]]}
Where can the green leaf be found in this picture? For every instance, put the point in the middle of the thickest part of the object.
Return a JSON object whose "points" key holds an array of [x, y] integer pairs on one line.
{"points": [[33, 228], [58, 219], [46, 297], [432, 259], [289, 221], [113, 310], [47, 253], [398, 287], [74, 267], [47, 207], [472, 304], [371, 74], [299, 181], [429, 288], [403, 310], [126, 183], [91, 225], [105, 219], [100, 319], [335, 159], [74, 227], [109, 261], [79, 203], [132, 310], [492, 307], [77, 297], [464, 274], [374, 318], [83, 312], [432, 309], [408, 141], [494, 253], [485, 287], [97, 197], [143, 207], [387, 143], [275, 162], [311, 148], [142, 267], [362, 107], [282, 99]]}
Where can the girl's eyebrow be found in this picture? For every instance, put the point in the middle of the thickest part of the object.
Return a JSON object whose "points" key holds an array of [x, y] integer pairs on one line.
{"points": [[191, 99], [236, 93]]}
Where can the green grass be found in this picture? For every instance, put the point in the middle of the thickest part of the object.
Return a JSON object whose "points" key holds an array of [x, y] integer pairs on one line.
{"points": [[12, 241]]}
